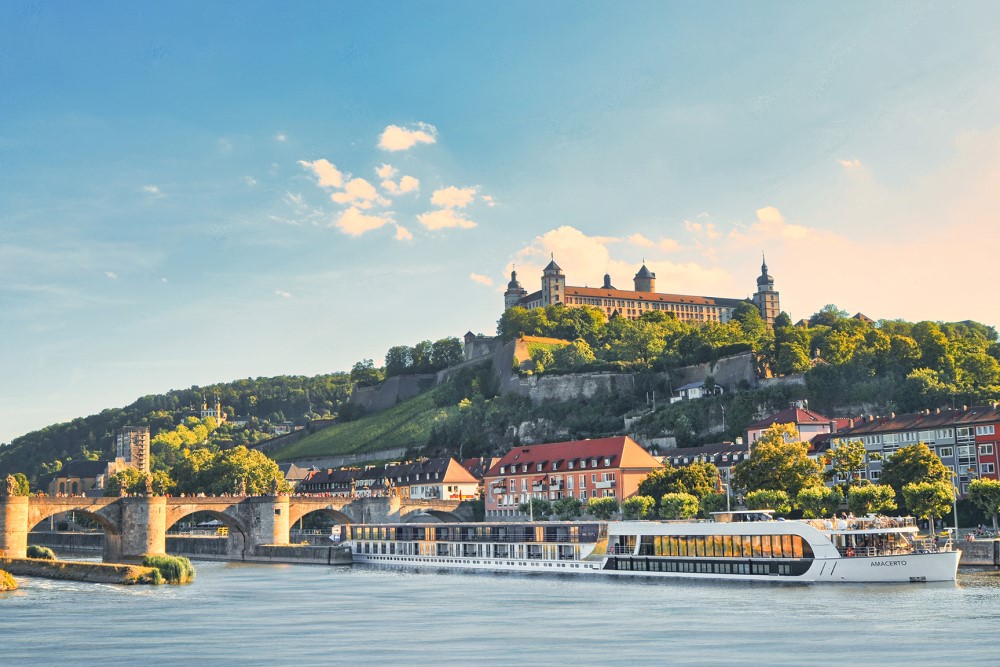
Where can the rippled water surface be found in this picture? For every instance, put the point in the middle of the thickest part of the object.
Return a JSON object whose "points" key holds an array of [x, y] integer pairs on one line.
{"points": [[306, 615]]}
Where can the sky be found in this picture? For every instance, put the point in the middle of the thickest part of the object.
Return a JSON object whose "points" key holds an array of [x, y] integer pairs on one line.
{"points": [[198, 192]]}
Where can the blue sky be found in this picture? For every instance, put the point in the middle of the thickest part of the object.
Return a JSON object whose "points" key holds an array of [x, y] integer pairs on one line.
{"points": [[195, 193]]}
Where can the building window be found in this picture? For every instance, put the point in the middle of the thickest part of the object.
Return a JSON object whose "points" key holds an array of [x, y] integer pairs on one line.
{"points": [[986, 468], [874, 475], [945, 451], [985, 430], [986, 449], [538, 467]]}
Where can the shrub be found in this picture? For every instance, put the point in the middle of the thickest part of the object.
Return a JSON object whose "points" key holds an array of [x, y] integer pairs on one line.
{"points": [[174, 569], [7, 582], [43, 553]]}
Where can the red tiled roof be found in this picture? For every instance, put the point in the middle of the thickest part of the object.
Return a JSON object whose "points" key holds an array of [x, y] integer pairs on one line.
{"points": [[601, 293], [796, 416], [922, 421], [621, 450]]}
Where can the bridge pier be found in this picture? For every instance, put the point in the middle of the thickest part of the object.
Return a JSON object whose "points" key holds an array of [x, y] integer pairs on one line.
{"points": [[143, 529], [14, 527], [268, 520]]}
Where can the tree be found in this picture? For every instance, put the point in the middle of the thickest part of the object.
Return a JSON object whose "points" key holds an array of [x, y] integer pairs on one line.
{"points": [[871, 499], [678, 506], [397, 360], [128, 481], [364, 373], [446, 352], [817, 502], [602, 508], [243, 471], [913, 464], [699, 479], [567, 509], [768, 499], [777, 464], [985, 494], [637, 507], [712, 502], [573, 356], [539, 509], [928, 500], [848, 460]]}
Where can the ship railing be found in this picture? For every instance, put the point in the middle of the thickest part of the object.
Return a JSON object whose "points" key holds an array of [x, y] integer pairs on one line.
{"points": [[619, 549]]}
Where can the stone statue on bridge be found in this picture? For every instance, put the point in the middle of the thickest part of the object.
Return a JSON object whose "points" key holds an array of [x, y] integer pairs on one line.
{"points": [[13, 488], [149, 484]]}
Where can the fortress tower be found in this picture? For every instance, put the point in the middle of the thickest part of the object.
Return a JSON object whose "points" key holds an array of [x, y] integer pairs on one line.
{"points": [[766, 298]]}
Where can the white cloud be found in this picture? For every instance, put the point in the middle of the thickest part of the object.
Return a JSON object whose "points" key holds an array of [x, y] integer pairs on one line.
{"points": [[452, 197], [668, 245], [489, 201], [481, 279], [849, 164], [640, 240], [163, 279], [329, 175], [360, 193], [111, 274], [706, 229], [584, 259], [403, 234], [395, 138], [280, 136], [443, 219], [153, 190], [408, 184], [355, 223], [283, 294], [250, 180], [386, 171]]}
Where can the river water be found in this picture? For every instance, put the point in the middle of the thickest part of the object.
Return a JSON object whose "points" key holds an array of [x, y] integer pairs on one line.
{"points": [[310, 615]]}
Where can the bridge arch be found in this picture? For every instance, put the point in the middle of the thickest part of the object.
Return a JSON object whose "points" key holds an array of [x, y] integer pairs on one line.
{"points": [[430, 516], [112, 531], [297, 512], [237, 540]]}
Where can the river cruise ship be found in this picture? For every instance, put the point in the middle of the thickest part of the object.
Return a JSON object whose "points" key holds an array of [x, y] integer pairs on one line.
{"points": [[733, 546]]}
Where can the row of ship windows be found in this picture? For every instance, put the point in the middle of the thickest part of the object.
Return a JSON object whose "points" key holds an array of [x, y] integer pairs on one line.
{"points": [[703, 567], [723, 546]]}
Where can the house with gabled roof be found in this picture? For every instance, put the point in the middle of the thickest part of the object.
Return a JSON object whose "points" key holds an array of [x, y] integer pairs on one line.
{"points": [[582, 469]]}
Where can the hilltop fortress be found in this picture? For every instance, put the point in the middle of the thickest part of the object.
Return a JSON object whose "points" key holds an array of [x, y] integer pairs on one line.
{"points": [[633, 303]]}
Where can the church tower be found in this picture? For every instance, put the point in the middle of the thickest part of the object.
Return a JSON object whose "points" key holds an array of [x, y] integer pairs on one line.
{"points": [[553, 284], [766, 299], [514, 292], [645, 280]]}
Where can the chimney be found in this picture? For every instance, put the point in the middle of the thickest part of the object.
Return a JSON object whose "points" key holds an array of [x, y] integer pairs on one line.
{"points": [[833, 426], [850, 423]]}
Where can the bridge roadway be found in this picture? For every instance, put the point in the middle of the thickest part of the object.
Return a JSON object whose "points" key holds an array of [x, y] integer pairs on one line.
{"points": [[136, 526]]}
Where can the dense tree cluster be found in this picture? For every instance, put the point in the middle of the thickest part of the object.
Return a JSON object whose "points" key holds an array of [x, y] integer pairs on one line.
{"points": [[264, 401], [424, 357]]}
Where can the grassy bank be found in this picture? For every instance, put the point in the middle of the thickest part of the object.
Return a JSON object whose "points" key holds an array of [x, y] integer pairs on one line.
{"points": [[407, 424], [98, 573], [7, 581]]}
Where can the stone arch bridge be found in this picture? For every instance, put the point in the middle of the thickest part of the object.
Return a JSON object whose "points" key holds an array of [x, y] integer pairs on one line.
{"points": [[136, 527]]}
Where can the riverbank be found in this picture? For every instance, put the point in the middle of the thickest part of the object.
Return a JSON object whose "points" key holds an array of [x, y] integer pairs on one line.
{"points": [[7, 582], [198, 547], [97, 573]]}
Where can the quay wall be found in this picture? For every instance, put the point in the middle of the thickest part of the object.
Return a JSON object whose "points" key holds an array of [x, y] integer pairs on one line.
{"points": [[980, 552], [293, 553], [97, 573]]}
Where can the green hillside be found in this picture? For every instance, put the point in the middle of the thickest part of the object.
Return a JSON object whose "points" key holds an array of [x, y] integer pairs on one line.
{"points": [[407, 424]]}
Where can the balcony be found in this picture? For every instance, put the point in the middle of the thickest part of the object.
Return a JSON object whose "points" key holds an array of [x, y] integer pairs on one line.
{"points": [[607, 484]]}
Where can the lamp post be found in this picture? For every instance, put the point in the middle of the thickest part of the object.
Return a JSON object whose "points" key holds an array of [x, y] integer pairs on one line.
{"points": [[726, 487]]}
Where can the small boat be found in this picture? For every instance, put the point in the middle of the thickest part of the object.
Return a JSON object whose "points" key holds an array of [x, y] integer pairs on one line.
{"points": [[742, 546]]}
